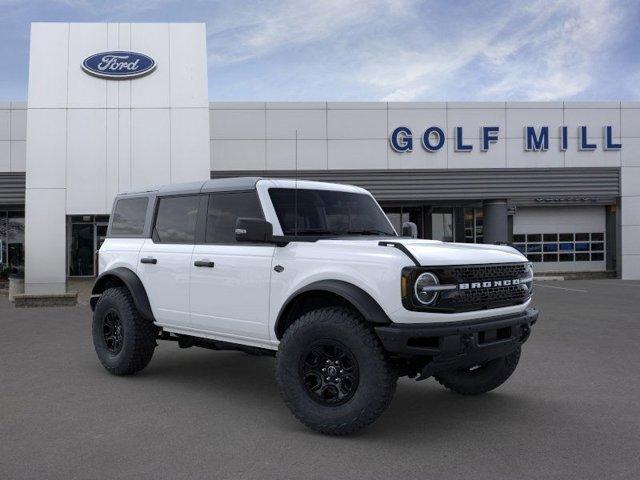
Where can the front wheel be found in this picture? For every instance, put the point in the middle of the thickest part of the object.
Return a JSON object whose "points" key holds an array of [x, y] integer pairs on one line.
{"points": [[333, 373], [480, 378], [123, 340]]}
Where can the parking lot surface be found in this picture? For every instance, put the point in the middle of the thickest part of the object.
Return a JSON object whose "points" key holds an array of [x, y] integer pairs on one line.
{"points": [[571, 410]]}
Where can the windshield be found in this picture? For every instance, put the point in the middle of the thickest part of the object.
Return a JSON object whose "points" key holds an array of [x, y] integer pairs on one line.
{"points": [[328, 212]]}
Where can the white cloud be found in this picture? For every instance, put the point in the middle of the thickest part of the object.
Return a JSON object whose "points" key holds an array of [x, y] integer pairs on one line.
{"points": [[406, 50], [259, 31], [392, 49], [411, 75], [545, 51], [559, 57]]}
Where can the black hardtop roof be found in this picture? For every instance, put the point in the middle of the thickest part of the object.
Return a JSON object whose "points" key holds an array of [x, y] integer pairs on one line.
{"points": [[206, 186]]}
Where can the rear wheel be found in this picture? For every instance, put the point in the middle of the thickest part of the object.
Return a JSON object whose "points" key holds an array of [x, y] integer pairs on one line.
{"points": [[332, 372], [480, 378], [123, 340]]}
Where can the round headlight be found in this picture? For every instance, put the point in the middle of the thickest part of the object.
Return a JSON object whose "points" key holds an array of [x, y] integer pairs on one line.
{"points": [[528, 278], [423, 288]]}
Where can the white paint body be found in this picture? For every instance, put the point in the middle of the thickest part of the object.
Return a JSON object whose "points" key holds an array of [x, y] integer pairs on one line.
{"points": [[241, 298]]}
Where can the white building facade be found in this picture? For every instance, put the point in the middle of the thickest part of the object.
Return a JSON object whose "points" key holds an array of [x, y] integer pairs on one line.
{"points": [[559, 180]]}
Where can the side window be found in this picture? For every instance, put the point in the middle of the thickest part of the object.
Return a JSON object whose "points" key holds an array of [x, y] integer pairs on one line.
{"points": [[224, 209], [176, 219], [129, 216]]}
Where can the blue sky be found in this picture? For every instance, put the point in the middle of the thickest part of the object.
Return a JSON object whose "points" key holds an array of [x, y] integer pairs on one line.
{"points": [[378, 49]]}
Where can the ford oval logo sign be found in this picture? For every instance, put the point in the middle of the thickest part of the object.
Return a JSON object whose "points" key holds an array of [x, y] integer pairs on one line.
{"points": [[118, 65]]}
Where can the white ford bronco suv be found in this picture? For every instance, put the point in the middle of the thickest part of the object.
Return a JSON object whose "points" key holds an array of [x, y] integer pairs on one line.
{"points": [[315, 274]]}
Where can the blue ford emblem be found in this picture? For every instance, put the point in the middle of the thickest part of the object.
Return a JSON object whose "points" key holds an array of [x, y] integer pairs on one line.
{"points": [[118, 65]]}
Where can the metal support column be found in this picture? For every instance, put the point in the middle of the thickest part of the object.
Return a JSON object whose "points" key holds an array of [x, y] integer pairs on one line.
{"points": [[495, 221]]}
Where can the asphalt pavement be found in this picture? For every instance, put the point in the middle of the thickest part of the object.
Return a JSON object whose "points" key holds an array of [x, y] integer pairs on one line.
{"points": [[570, 411]]}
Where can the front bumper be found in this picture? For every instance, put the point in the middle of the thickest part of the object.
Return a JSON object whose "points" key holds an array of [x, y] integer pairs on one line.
{"points": [[452, 345]]}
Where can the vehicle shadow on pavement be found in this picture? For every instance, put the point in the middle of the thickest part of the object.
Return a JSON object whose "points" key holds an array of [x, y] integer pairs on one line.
{"points": [[421, 407], [248, 383]]}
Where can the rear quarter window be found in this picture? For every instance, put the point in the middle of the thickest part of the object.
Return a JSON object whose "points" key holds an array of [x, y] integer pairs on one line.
{"points": [[129, 217], [176, 219]]}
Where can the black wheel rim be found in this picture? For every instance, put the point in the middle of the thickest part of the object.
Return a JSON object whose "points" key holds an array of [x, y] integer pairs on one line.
{"points": [[329, 372], [112, 332]]}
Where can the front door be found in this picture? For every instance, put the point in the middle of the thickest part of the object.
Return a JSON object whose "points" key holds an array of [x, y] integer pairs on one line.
{"points": [[82, 250], [230, 280], [164, 261]]}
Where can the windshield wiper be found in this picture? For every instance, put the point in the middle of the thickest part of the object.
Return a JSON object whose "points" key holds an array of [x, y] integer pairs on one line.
{"points": [[322, 231], [369, 232], [314, 231]]}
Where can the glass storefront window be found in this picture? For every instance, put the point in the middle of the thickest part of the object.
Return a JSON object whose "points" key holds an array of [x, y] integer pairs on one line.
{"points": [[469, 225], [473, 219], [442, 224], [12, 242], [479, 224], [399, 215]]}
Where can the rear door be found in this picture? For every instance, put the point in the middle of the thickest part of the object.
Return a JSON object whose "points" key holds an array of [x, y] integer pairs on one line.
{"points": [[164, 261], [230, 280]]}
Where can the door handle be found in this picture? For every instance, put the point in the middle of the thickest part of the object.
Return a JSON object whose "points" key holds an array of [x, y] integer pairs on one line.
{"points": [[203, 263], [149, 260]]}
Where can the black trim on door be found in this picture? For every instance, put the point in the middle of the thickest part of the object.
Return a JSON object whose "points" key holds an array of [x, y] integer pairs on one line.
{"points": [[201, 221], [203, 263]]}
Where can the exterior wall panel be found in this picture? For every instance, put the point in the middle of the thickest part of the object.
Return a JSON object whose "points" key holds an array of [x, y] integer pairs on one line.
{"points": [[5, 156], [86, 161], [13, 134], [89, 138], [46, 148], [45, 240], [5, 123], [49, 50], [310, 124], [85, 91]]}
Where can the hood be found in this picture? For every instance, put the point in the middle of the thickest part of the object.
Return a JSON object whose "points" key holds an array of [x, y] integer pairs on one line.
{"points": [[436, 253], [430, 252]]}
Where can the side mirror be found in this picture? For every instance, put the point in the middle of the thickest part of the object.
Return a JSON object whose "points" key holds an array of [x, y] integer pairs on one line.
{"points": [[409, 229], [254, 230]]}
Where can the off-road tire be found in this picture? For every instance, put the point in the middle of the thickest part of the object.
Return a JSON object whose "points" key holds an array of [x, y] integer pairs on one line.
{"points": [[138, 335], [376, 375], [483, 379]]}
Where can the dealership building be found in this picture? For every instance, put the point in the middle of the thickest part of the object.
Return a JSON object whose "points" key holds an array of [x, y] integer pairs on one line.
{"points": [[119, 106]]}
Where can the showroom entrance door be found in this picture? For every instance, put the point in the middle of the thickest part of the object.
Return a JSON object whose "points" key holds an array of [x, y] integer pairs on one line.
{"points": [[86, 233]]}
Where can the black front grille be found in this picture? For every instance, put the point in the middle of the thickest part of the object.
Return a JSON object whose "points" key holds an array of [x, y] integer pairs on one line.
{"points": [[475, 273], [486, 296]]}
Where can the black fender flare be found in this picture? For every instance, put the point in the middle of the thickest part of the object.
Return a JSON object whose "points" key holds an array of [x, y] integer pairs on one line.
{"points": [[132, 282], [364, 303]]}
